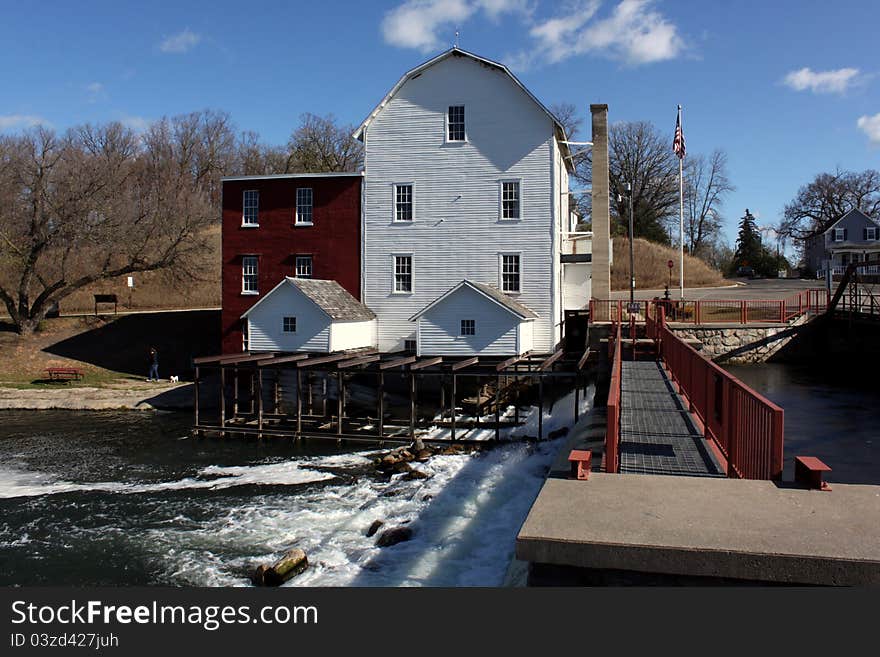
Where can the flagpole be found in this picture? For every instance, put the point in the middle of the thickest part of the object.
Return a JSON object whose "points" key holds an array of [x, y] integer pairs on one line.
{"points": [[680, 219]]}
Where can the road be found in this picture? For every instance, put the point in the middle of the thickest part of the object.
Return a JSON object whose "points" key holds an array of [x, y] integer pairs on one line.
{"points": [[740, 288]]}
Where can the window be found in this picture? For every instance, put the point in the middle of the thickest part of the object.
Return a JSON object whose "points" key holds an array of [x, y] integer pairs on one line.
{"points": [[870, 233], [251, 208], [249, 275], [244, 335], [839, 234], [304, 205], [455, 123], [403, 274], [409, 345], [289, 324], [403, 202], [303, 266], [510, 199], [468, 327], [510, 280]]}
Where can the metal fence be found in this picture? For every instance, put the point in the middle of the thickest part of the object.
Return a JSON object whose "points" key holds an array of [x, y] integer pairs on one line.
{"points": [[612, 428]]}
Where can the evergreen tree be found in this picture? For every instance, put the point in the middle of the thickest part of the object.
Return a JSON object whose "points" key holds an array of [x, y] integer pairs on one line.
{"points": [[749, 252]]}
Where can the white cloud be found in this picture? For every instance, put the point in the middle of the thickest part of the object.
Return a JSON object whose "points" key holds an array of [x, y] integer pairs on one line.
{"points": [[136, 123], [181, 42], [96, 91], [12, 121], [870, 125], [822, 82], [428, 25], [633, 32]]}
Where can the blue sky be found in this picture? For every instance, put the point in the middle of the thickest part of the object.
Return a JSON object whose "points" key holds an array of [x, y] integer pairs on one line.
{"points": [[787, 88]]}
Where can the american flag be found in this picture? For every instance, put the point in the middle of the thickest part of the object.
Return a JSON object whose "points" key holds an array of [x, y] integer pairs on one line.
{"points": [[678, 142]]}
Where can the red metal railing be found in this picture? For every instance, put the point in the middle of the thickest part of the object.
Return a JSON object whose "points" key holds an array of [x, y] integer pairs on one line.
{"points": [[746, 427], [612, 426], [714, 311]]}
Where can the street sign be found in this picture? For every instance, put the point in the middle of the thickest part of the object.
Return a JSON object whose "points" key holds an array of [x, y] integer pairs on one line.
{"points": [[670, 264], [633, 308], [131, 281]]}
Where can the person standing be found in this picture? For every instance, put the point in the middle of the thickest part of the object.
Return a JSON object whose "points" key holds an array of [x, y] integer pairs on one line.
{"points": [[154, 365]]}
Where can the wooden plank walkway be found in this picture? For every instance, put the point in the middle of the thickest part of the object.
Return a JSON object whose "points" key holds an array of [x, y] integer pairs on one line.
{"points": [[657, 434]]}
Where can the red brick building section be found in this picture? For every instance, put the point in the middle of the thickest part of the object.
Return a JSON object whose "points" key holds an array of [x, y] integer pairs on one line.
{"points": [[269, 222]]}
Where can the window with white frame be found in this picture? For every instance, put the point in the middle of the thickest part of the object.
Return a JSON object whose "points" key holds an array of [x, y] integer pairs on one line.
{"points": [[468, 327], [251, 208], [304, 205], [303, 266], [839, 234], [403, 202], [250, 275], [510, 199], [244, 335], [289, 324], [403, 277], [410, 345], [510, 272], [871, 233], [455, 123]]}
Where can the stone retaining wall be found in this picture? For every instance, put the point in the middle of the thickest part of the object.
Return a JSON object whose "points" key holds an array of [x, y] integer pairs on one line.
{"points": [[741, 344]]}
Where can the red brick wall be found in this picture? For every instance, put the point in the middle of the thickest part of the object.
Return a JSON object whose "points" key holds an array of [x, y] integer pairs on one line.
{"points": [[333, 241]]}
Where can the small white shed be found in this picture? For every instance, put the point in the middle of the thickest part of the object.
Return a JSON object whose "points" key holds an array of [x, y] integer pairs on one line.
{"points": [[304, 314], [474, 319]]}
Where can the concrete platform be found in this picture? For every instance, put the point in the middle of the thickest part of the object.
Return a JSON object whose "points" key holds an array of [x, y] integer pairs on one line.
{"points": [[704, 527]]}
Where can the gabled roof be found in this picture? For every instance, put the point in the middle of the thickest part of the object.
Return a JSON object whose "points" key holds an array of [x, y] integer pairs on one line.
{"points": [[491, 293], [458, 52], [333, 299], [854, 211]]}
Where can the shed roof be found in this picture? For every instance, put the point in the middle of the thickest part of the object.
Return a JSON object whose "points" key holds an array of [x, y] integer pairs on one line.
{"points": [[490, 292], [455, 51], [329, 296]]}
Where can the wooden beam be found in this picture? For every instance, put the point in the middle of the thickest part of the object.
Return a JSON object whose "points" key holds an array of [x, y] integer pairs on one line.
{"points": [[549, 361], [322, 360], [583, 360], [246, 358], [397, 362], [363, 360], [465, 363], [511, 361], [283, 359], [426, 363]]}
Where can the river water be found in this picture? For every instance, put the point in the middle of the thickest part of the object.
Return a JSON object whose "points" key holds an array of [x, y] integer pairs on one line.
{"points": [[128, 498], [830, 412]]}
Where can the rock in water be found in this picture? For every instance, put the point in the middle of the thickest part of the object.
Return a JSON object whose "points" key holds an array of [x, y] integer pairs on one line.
{"points": [[394, 536], [416, 474], [374, 527], [287, 567], [259, 576]]}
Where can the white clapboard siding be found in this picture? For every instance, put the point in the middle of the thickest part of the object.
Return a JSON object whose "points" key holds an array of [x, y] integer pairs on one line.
{"points": [[456, 232], [440, 327], [265, 323], [352, 335]]}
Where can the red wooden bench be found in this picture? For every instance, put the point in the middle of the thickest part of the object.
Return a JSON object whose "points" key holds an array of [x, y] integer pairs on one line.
{"points": [[808, 471], [581, 462], [64, 373]]}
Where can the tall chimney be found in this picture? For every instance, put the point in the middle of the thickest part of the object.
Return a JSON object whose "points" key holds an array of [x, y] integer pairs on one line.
{"points": [[601, 269]]}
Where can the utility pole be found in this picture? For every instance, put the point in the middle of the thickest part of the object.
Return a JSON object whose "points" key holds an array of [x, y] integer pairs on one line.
{"points": [[632, 260]]}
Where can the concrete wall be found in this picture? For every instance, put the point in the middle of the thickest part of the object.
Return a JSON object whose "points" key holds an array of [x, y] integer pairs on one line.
{"points": [[742, 344]]}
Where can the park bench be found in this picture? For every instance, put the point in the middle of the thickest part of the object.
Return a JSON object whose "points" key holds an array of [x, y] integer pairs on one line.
{"points": [[581, 462], [106, 298], [808, 472], [64, 373]]}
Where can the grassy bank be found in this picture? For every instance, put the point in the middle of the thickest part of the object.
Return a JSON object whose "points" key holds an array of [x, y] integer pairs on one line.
{"points": [[652, 271]]}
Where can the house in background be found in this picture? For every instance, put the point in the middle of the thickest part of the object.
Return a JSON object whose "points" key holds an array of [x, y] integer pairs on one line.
{"points": [[301, 314], [299, 225], [855, 237], [466, 179]]}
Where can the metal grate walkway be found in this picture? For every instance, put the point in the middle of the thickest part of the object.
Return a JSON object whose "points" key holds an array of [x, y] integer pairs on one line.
{"points": [[657, 435]]}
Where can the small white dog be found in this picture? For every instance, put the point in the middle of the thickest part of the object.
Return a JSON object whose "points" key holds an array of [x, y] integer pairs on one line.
{"points": [[174, 378]]}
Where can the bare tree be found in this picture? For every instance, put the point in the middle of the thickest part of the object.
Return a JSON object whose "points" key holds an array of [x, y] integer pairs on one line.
{"points": [[705, 185], [581, 158], [254, 158], [827, 198], [641, 156], [98, 203], [319, 144]]}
